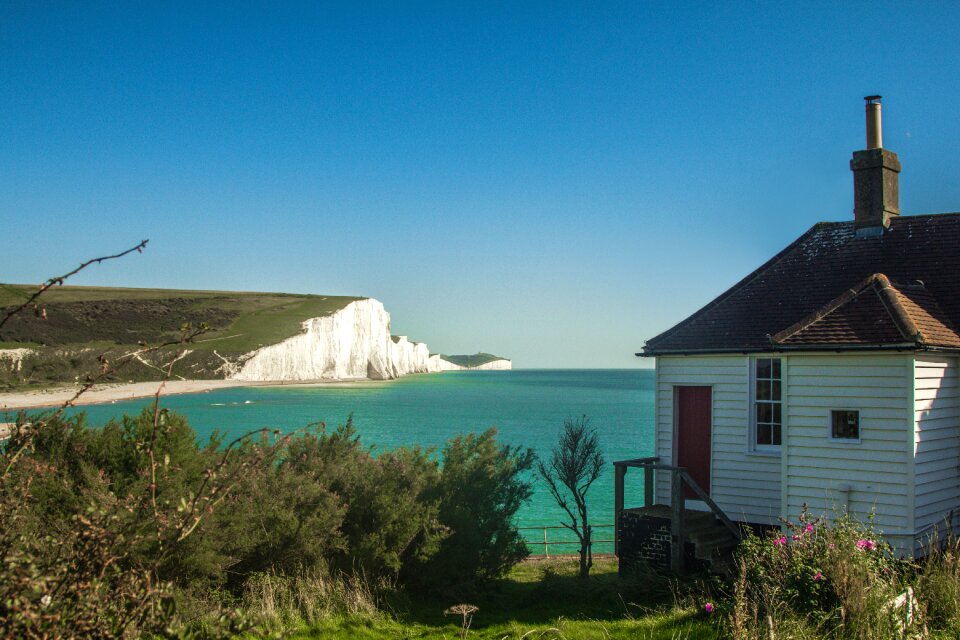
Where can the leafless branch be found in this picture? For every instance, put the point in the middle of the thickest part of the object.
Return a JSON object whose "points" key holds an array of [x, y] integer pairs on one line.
{"points": [[58, 280]]}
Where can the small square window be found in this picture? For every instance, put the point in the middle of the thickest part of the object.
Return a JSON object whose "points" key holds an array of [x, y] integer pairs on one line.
{"points": [[845, 425]]}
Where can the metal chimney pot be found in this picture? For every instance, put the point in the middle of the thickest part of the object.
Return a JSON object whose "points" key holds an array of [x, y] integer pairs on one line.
{"points": [[874, 126]]}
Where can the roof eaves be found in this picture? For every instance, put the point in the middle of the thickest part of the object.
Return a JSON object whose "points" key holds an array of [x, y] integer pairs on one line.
{"points": [[816, 347]]}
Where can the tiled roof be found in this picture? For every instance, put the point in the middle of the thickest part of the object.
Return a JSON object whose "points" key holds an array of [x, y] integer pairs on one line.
{"points": [[833, 289]]}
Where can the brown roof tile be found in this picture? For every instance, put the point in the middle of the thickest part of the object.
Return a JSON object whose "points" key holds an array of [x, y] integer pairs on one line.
{"points": [[831, 288]]}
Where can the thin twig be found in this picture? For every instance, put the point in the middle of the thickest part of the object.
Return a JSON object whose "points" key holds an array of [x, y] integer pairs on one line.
{"points": [[58, 280]]}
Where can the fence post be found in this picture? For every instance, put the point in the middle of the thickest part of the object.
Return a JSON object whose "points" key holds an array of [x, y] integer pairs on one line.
{"points": [[621, 471], [676, 521], [648, 485], [546, 547]]}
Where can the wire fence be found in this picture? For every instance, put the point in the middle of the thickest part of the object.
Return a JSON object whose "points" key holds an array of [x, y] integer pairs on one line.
{"points": [[542, 539]]}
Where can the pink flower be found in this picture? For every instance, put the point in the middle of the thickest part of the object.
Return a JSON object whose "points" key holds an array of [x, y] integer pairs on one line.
{"points": [[817, 577], [708, 607], [869, 545], [779, 541], [795, 538], [809, 528]]}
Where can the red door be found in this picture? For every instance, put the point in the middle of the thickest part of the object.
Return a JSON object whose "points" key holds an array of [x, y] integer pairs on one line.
{"points": [[693, 408]]}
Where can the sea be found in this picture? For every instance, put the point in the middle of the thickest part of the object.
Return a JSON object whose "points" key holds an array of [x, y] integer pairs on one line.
{"points": [[526, 406]]}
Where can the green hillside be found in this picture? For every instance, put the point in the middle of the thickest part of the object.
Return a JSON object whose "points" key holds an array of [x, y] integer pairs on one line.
{"points": [[474, 360], [82, 322]]}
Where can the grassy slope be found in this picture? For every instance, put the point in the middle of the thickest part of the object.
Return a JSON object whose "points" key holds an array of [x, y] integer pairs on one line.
{"points": [[259, 318], [543, 599], [83, 322]]}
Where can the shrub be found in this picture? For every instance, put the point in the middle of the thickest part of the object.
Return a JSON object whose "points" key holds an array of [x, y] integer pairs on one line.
{"points": [[836, 578], [480, 489], [387, 516]]}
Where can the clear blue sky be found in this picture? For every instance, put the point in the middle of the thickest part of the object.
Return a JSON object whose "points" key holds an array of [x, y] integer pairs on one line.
{"points": [[552, 182]]}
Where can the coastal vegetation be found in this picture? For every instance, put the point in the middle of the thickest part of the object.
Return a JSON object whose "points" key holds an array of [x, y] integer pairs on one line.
{"points": [[136, 527]]}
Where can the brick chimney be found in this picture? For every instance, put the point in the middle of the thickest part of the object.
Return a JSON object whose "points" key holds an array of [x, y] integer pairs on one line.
{"points": [[876, 178]]}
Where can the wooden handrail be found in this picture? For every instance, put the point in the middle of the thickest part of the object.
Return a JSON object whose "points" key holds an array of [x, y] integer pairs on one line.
{"points": [[678, 476], [717, 511], [636, 462]]}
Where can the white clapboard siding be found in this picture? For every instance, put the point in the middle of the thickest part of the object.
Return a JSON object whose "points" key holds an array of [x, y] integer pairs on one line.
{"points": [[876, 469], [745, 485], [936, 440]]}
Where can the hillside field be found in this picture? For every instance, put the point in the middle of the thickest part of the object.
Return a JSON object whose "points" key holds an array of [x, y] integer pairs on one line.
{"points": [[83, 322]]}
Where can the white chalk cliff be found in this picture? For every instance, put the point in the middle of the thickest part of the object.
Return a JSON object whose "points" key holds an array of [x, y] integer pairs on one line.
{"points": [[350, 344]]}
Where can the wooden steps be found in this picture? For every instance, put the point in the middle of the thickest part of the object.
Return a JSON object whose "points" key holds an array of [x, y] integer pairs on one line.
{"points": [[713, 543]]}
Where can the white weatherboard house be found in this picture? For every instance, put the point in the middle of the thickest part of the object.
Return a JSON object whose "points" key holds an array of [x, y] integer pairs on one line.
{"points": [[828, 376]]}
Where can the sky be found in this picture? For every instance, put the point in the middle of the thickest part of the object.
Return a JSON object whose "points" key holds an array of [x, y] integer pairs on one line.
{"points": [[551, 182]]}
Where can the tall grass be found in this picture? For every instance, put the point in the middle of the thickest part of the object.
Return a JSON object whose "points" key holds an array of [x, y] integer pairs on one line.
{"points": [[284, 602], [938, 584]]}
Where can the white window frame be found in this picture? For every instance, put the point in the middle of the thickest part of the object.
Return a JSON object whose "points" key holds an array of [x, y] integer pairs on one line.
{"points": [[753, 445], [842, 441]]}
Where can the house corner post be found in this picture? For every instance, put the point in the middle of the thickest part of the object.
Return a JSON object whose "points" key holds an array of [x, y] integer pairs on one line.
{"points": [[648, 485], [676, 521], [621, 471]]}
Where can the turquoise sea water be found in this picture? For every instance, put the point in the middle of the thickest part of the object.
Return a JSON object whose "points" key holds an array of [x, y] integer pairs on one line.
{"points": [[526, 406]]}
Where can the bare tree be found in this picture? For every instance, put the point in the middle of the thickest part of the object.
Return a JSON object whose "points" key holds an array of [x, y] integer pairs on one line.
{"points": [[575, 463]]}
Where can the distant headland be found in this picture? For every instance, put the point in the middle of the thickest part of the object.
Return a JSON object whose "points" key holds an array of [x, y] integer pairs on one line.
{"points": [[248, 337]]}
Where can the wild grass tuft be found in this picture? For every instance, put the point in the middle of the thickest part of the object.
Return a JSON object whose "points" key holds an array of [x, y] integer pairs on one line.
{"points": [[279, 602]]}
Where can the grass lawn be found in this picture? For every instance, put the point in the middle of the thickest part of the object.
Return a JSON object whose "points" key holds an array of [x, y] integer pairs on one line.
{"points": [[545, 600]]}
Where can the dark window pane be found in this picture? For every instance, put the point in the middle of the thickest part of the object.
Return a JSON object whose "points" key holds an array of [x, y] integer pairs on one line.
{"points": [[775, 434], [776, 413], [763, 390], [763, 368], [775, 390], [764, 414], [845, 424], [775, 367], [763, 434]]}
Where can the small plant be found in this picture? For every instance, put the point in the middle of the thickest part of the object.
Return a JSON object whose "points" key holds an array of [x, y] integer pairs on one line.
{"points": [[466, 611]]}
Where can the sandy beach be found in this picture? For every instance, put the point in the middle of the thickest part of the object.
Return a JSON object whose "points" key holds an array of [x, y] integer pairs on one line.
{"points": [[54, 397], [113, 392]]}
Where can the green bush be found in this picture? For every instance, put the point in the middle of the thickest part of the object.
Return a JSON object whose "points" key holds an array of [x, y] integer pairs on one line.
{"points": [[480, 489]]}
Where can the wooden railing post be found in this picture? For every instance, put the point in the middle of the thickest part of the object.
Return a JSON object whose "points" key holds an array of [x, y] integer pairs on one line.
{"points": [[676, 521], [621, 471], [648, 484]]}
